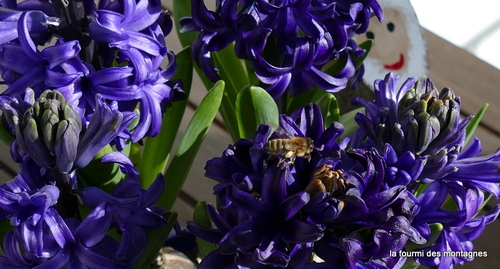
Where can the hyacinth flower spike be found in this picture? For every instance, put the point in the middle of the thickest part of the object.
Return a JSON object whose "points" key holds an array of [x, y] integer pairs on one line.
{"points": [[128, 37], [48, 130], [305, 35], [334, 196]]}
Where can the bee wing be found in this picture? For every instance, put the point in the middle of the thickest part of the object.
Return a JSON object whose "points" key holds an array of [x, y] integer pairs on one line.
{"points": [[279, 132]]}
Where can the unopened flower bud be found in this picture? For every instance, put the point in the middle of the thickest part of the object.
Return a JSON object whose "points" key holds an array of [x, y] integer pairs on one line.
{"points": [[48, 130], [428, 116]]}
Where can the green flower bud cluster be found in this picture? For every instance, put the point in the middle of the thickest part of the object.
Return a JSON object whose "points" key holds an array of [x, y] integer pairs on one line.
{"points": [[429, 118], [47, 129]]}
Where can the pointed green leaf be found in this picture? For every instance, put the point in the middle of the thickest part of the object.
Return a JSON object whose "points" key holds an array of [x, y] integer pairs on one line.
{"points": [[487, 197], [232, 70], [156, 240], [335, 66], [435, 228], [410, 263], [472, 126], [5, 136], [5, 227], [98, 174], [303, 99], [350, 125], [157, 149], [254, 106], [330, 109], [196, 131], [202, 218], [182, 8], [228, 113], [367, 46]]}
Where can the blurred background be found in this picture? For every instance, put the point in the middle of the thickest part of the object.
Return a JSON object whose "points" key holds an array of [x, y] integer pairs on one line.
{"points": [[471, 25]]}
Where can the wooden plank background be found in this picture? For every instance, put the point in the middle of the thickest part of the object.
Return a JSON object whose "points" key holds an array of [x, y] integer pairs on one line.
{"points": [[449, 66]]}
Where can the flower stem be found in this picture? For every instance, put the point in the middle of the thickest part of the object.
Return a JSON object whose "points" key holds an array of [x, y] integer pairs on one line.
{"points": [[74, 25], [67, 204]]}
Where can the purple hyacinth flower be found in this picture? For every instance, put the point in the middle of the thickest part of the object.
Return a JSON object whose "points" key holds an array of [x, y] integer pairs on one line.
{"points": [[130, 207], [90, 247], [48, 129], [460, 227], [307, 36], [348, 206], [54, 66], [423, 136], [106, 123], [35, 22], [128, 40], [415, 118], [31, 207], [123, 30]]}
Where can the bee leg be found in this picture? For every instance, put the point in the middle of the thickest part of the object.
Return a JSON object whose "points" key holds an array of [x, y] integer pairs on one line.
{"points": [[272, 157], [289, 154]]}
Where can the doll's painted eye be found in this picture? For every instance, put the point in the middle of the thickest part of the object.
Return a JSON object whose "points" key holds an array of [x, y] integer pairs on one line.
{"points": [[390, 27], [370, 35]]}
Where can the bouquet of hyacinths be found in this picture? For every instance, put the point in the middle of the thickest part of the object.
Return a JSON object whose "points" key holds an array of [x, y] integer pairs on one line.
{"points": [[306, 187], [87, 82], [95, 98]]}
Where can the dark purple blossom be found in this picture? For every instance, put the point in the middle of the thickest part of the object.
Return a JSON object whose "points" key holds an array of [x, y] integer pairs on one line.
{"points": [[418, 121], [423, 137], [122, 62], [32, 212], [34, 21], [288, 43], [90, 247], [415, 118], [46, 233], [130, 207], [277, 210], [51, 132]]}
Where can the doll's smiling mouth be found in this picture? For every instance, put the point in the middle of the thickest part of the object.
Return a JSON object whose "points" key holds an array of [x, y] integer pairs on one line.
{"points": [[398, 65]]}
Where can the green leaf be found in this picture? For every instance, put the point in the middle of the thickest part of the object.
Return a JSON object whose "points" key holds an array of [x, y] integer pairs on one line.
{"points": [[335, 66], [472, 126], [182, 8], [5, 227], [98, 174], [157, 149], [232, 71], [202, 218], [254, 106], [196, 131], [367, 46], [228, 113], [410, 263], [330, 109], [5, 136], [252, 77], [349, 123], [134, 153], [435, 228], [487, 197], [303, 99], [156, 240]]}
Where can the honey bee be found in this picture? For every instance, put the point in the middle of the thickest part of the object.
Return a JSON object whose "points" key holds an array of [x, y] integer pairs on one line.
{"points": [[325, 179], [290, 148]]}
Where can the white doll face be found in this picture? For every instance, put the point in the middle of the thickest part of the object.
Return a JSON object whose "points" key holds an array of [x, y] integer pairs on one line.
{"points": [[399, 45], [391, 40]]}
